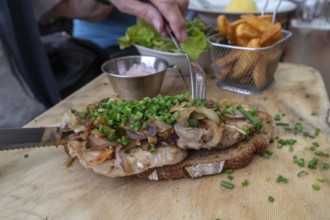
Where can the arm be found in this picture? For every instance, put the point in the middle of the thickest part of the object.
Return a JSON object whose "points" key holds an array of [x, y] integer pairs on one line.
{"points": [[155, 11], [89, 10]]}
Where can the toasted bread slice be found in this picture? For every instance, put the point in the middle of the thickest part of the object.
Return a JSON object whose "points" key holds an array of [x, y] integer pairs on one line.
{"points": [[209, 162]]}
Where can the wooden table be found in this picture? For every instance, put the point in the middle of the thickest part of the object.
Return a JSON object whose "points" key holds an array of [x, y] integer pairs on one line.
{"points": [[42, 187]]}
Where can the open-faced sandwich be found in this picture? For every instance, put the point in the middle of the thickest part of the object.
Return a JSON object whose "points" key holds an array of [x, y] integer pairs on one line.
{"points": [[164, 137]]}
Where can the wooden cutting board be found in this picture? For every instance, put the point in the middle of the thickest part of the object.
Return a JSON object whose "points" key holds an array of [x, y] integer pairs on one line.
{"points": [[36, 184]]}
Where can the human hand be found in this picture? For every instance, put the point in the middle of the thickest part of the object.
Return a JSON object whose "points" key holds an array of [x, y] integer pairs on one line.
{"points": [[156, 11]]}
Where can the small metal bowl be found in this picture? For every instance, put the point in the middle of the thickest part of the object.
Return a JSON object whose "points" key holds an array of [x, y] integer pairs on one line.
{"points": [[131, 87]]}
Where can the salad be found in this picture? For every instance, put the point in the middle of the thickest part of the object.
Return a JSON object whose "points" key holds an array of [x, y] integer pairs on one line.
{"points": [[146, 35]]}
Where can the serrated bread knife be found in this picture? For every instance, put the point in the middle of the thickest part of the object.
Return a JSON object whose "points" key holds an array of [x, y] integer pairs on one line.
{"points": [[20, 138]]}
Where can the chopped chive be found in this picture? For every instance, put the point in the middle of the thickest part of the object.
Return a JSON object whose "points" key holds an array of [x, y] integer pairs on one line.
{"points": [[312, 164], [321, 154], [229, 171], [267, 154], [26, 155], [230, 177], [320, 178], [298, 127], [245, 182], [282, 124], [324, 166], [153, 150], [316, 186], [287, 128], [226, 184], [270, 199], [316, 144], [281, 179], [317, 131], [247, 114], [302, 173], [277, 117]]}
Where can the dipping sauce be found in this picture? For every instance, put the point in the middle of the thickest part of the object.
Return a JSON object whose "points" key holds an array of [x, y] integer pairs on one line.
{"points": [[140, 70]]}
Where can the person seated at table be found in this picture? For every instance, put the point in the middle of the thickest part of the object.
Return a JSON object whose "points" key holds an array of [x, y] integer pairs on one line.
{"points": [[27, 85], [106, 32]]}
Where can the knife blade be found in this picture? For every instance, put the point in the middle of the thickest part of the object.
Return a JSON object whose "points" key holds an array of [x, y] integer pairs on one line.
{"points": [[20, 138]]}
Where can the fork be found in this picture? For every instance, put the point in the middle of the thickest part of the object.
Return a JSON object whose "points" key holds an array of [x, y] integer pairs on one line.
{"points": [[274, 12], [197, 73]]}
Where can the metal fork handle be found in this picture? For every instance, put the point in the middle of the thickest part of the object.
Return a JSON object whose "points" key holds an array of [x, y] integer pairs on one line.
{"points": [[274, 12], [192, 76]]}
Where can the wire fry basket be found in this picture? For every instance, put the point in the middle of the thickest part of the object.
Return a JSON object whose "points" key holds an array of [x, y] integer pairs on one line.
{"points": [[245, 70]]}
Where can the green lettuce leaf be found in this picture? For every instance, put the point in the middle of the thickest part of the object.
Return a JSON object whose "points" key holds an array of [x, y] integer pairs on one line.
{"points": [[146, 35]]}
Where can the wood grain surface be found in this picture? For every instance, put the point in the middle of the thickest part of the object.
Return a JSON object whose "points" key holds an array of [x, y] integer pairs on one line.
{"points": [[36, 184]]}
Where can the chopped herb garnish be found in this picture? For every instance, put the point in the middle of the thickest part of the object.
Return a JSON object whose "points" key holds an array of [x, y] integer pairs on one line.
{"points": [[270, 199], [229, 171], [313, 113], [324, 166], [246, 129], [245, 182], [226, 184], [267, 154], [281, 179], [317, 131], [230, 177], [312, 164], [192, 122], [321, 154], [320, 178], [153, 150], [316, 186], [277, 117], [298, 127], [282, 124], [284, 142], [316, 144], [307, 134], [302, 173], [247, 114], [26, 155]]}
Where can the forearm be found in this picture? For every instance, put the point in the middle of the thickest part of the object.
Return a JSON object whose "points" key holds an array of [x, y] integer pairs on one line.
{"points": [[89, 10]]}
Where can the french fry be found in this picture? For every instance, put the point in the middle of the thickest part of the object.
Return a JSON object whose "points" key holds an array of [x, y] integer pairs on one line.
{"points": [[274, 54], [261, 24], [247, 31], [224, 72], [232, 31], [267, 38], [223, 25], [250, 31], [247, 59], [259, 73], [230, 58], [267, 17]]}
